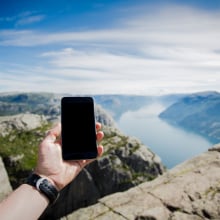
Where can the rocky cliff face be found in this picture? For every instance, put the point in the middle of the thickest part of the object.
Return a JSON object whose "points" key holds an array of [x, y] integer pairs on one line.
{"points": [[199, 112], [126, 163], [5, 188], [103, 117], [190, 191]]}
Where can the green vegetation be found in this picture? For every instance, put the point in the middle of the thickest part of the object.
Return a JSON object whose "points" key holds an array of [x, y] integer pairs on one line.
{"points": [[19, 152]]}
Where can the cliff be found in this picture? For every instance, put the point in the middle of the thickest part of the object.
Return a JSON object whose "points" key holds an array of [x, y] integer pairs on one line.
{"points": [[5, 188], [190, 191], [199, 112], [125, 163], [128, 182]]}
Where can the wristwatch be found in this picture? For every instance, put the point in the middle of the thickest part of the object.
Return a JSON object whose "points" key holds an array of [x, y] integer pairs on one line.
{"points": [[44, 186]]}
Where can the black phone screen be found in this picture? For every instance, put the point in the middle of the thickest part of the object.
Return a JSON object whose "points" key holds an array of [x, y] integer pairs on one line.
{"points": [[78, 128]]}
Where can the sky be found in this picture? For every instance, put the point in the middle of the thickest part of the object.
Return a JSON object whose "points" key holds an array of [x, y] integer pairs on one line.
{"points": [[137, 47]]}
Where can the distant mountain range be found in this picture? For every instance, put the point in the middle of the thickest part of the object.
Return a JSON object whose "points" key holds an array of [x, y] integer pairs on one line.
{"points": [[116, 105], [49, 103], [37, 103], [199, 112]]}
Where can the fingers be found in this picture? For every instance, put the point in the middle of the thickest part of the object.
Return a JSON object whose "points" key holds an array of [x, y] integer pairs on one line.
{"points": [[100, 150], [98, 126], [56, 130], [99, 136], [53, 134]]}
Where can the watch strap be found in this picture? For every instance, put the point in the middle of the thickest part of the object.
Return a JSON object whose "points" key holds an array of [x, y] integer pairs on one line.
{"points": [[44, 186]]}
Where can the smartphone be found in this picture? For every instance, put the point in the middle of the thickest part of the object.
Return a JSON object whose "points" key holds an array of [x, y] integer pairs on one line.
{"points": [[78, 128]]}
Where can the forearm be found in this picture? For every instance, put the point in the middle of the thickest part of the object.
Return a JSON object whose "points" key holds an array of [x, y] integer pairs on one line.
{"points": [[25, 198]]}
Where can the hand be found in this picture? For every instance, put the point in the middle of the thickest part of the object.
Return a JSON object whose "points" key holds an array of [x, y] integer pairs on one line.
{"points": [[50, 163]]}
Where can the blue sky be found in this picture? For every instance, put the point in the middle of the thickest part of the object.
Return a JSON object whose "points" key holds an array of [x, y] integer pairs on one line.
{"points": [[109, 46]]}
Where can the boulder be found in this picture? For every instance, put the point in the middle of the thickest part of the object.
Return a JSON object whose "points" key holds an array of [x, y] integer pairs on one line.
{"points": [[103, 116], [5, 188], [22, 122], [190, 191]]}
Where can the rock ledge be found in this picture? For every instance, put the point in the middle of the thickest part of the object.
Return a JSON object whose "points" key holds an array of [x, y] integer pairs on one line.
{"points": [[190, 191]]}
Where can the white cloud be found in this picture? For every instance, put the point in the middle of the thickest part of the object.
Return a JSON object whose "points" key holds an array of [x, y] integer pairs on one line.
{"points": [[172, 49], [29, 20]]}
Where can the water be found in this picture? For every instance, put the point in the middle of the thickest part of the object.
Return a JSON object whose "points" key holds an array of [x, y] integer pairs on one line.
{"points": [[173, 144]]}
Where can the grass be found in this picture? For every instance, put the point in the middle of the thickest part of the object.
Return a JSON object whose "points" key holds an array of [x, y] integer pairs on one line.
{"points": [[19, 152]]}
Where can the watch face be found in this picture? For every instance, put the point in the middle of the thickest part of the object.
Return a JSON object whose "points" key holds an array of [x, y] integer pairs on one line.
{"points": [[44, 186]]}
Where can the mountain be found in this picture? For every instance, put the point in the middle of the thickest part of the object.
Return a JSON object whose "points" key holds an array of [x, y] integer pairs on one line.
{"points": [[116, 105], [36, 103], [199, 112], [46, 104]]}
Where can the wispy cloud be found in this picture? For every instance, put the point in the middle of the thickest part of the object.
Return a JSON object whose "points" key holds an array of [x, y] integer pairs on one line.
{"points": [[24, 18], [166, 50], [29, 20]]}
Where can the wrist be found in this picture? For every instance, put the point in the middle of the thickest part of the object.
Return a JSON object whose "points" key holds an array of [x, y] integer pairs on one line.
{"points": [[44, 186], [51, 180]]}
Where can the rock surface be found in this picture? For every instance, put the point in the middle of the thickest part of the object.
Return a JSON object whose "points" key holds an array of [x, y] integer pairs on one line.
{"points": [[22, 122], [103, 116], [5, 188], [126, 163], [190, 191]]}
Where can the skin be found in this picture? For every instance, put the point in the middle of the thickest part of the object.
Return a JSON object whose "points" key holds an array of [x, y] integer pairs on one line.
{"points": [[28, 203]]}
